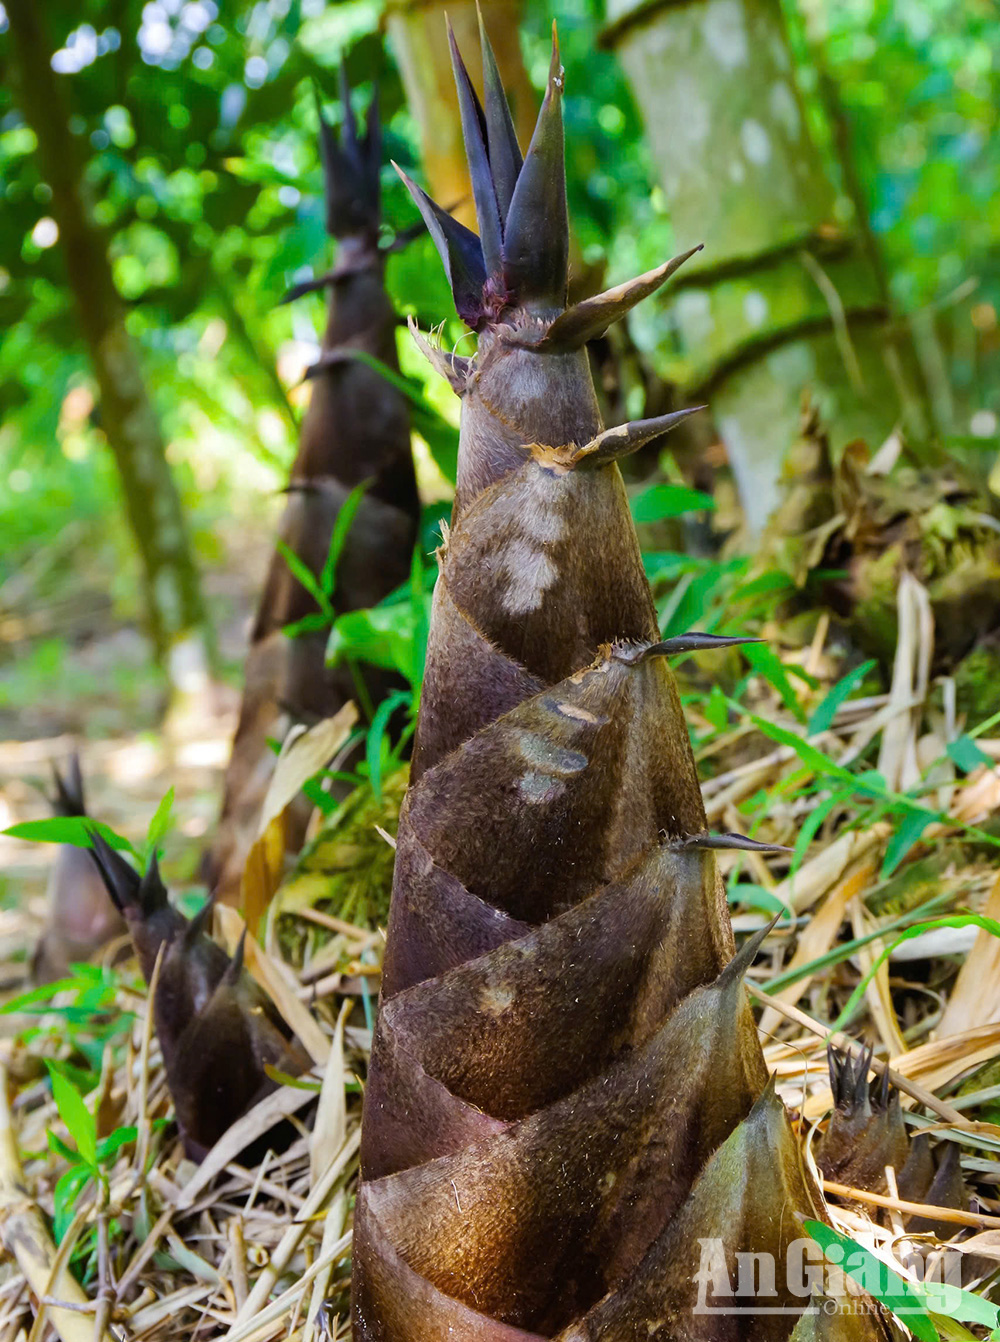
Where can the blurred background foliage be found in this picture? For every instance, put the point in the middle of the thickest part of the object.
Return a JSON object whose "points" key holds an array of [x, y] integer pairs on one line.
{"points": [[199, 126]]}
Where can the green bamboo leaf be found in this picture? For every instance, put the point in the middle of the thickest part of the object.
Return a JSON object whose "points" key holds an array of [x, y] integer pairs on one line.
{"points": [[294, 1082], [441, 437], [824, 713], [158, 826], [313, 623], [717, 709], [967, 755], [669, 566], [420, 614], [843, 950], [809, 754], [65, 1197], [812, 823], [72, 829], [909, 827], [305, 576], [60, 1148], [954, 1302], [662, 501], [875, 1277], [341, 528], [771, 667], [113, 1143], [376, 736], [74, 1113]]}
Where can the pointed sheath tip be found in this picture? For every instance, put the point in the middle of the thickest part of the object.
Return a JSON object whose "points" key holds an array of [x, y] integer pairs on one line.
{"points": [[199, 923], [623, 439], [460, 251], [591, 318], [737, 968], [732, 843], [697, 642]]}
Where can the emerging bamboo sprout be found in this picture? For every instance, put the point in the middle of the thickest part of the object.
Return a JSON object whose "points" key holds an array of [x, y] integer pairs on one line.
{"points": [[81, 918], [567, 1098], [866, 1133], [217, 1031], [357, 429]]}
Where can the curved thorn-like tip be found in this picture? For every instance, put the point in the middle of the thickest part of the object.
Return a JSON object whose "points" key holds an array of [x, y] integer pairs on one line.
{"points": [[459, 249], [591, 318], [698, 642], [737, 842], [886, 1092], [624, 439]]}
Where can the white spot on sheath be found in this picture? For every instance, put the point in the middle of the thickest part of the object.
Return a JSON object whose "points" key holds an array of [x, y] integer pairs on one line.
{"points": [[539, 788], [542, 525], [725, 34], [755, 141], [495, 1000], [530, 574], [552, 758], [571, 711]]}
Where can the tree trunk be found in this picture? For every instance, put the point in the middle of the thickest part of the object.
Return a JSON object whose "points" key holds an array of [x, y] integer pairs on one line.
{"points": [[173, 606], [783, 299], [419, 39]]}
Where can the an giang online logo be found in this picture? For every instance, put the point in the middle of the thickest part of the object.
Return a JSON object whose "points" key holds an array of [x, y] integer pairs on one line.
{"points": [[809, 1280]]}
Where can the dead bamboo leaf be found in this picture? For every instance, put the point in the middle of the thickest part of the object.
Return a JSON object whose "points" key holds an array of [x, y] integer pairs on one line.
{"points": [[817, 938], [815, 877], [877, 993], [302, 756], [330, 1129], [897, 758], [975, 998]]}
